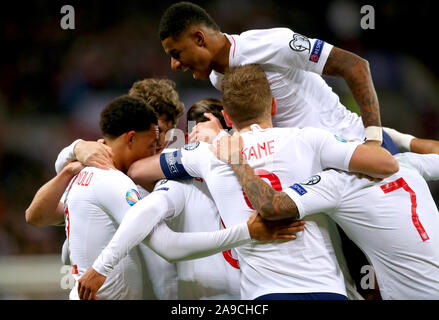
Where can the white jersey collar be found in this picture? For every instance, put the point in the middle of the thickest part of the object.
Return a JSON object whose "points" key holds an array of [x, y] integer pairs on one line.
{"points": [[232, 52], [253, 128]]}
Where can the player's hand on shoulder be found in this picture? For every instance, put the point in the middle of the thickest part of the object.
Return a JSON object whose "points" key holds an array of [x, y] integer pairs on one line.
{"points": [[89, 284], [206, 131], [228, 149], [94, 154], [265, 230], [73, 168]]}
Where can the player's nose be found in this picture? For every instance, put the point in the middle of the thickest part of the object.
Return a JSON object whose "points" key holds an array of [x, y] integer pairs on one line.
{"points": [[175, 64]]}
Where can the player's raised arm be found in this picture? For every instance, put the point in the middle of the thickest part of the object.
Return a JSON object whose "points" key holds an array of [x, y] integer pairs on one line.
{"points": [[46, 208], [355, 70]]}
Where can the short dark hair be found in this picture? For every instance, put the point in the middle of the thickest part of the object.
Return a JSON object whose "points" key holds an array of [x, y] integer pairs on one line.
{"points": [[124, 114], [178, 17], [209, 105]]}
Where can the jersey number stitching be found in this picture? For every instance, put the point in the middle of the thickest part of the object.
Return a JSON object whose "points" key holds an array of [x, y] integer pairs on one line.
{"points": [[274, 181], [400, 183], [227, 254]]}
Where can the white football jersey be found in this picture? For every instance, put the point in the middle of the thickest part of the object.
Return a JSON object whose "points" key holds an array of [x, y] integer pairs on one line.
{"points": [[159, 276], [394, 221], [213, 277], [293, 65], [279, 155], [95, 204]]}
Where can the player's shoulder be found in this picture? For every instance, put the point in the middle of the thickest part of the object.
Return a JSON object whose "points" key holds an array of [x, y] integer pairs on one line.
{"points": [[196, 150], [199, 148], [270, 33], [304, 133], [287, 133], [108, 178], [312, 133], [252, 44], [330, 178]]}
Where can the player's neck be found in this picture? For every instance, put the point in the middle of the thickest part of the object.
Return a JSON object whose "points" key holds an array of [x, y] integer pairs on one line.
{"points": [[265, 124], [220, 61], [117, 160]]}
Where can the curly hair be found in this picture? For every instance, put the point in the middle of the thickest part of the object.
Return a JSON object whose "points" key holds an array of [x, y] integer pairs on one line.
{"points": [[124, 114], [161, 96]]}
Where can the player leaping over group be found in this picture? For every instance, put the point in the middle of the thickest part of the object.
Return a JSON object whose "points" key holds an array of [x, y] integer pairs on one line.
{"points": [[293, 65]]}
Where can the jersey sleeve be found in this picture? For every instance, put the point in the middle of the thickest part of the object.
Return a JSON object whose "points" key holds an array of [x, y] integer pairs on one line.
{"points": [[178, 246], [138, 222], [192, 160], [175, 193], [65, 156], [285, 48], [334, 152], [426, 164], [320, 193]]}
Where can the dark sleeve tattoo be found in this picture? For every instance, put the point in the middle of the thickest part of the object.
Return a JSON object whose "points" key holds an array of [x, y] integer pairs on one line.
{"points": [[268, 202], [356, 73]]}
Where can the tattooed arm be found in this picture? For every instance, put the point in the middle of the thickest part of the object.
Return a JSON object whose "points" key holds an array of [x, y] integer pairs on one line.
{"points": [[356, 72], [271, 204]]}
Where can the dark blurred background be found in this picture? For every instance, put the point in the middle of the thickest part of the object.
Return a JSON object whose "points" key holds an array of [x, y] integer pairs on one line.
{"points": [[54, 82]]}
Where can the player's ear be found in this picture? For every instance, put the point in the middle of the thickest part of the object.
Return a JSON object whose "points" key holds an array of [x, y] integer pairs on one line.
{"points": [[200, 38], [227, 118], [129, 138], [273, 106]]}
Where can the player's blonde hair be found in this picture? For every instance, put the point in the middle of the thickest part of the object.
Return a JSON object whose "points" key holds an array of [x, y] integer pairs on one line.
{"points": [[161, 96], [246, 94]]}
